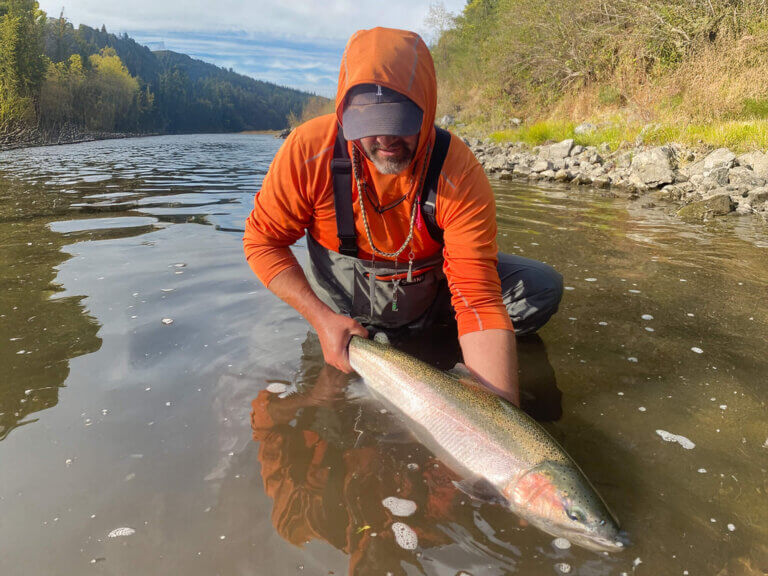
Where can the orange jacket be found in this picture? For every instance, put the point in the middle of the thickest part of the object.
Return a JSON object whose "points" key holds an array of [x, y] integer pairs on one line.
{"points": [[297, 193]]}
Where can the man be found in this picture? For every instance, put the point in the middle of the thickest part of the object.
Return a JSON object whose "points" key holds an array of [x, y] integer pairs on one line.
{"points": [[373, 258]]}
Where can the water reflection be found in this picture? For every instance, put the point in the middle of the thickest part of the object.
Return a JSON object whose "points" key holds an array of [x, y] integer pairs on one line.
{"points": [[330, 456], [40, 329]]}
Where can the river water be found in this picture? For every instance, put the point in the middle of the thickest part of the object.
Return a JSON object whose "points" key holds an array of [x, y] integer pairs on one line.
{"points": [[135, 343]]}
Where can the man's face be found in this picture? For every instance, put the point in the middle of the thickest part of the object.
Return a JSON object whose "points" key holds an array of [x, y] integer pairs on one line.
{"points": [[390, 154]]}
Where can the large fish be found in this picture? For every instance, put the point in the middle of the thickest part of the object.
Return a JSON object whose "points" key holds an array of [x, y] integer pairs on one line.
{"points": [[501, 453]]}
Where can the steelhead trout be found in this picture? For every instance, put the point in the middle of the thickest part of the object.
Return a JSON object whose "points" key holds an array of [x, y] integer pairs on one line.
{"points": [[501, 453]]}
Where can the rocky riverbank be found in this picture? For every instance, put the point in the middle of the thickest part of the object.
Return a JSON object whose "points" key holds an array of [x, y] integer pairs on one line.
{"points": [[696, 185], [69, 134]]}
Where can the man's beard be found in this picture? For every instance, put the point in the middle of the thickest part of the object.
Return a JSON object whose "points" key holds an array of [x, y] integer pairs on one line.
{"points": [[393, 165]]}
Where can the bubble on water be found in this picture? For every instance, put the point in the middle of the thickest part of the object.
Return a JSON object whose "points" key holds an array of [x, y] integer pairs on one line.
{"points": [[636, 562], [723, 406], [712, 520], [563, 568], [569, 288], [405, 537], [21, 352], [561, 543], [120, 532], [180, 265], [649, 329], [590, 279], [620, 393], [167, 403], [399, 506], [167, 321], [642, 408], [634, 291], [682, 440], [702, 470], [277, 387], [683, 280], [697, 350], [731, 527], [222, 537], [167, 289], [632, 359], [690, 314], [413, 466], [646, 317], [603, 323]]}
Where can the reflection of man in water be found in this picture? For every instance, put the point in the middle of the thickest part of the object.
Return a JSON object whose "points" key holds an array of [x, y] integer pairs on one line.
{"points": [[326, 487], [395, 237]]}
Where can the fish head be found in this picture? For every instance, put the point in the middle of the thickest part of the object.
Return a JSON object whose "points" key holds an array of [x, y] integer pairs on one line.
{"points": [[557, 498]]}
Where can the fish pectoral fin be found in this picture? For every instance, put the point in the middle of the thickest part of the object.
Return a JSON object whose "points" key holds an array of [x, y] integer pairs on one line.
{"points": [[480, 489]]}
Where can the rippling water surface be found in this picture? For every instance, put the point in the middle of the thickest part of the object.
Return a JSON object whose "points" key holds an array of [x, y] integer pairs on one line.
{"points": [[138, 351]]}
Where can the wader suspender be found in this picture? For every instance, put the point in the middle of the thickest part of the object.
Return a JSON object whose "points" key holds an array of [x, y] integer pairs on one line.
{"points": [[341, 169]]}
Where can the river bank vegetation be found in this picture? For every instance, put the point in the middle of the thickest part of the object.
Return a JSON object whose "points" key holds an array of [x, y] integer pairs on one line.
{"points": [[634, 71], [57, 80]]}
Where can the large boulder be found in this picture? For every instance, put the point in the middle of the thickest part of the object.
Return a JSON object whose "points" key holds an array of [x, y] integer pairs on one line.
{"points": [[653, 168], [757, 161], [717, 205], [743, 176], [722, 157], [558, 151]]}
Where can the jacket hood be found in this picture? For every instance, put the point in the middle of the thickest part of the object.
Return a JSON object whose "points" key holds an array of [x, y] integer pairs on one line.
{"points": [[397, 59]]}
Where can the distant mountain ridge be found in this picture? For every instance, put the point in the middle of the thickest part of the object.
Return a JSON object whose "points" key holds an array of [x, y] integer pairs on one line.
{"points": [[188, 95]]}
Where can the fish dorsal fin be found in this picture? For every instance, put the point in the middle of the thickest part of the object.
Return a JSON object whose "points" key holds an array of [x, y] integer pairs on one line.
{"points": [[381, 338], [480, 489], [461, 371]]}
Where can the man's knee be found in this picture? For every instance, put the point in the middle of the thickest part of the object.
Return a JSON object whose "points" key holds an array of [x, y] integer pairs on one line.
{"points": [[531, 291]]}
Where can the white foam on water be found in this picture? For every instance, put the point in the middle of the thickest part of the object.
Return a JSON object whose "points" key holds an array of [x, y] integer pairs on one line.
{"points": [[167, 321], [563, 568], [642, 408], [646, 317], [120, 532], [682, 440], [731, 527], [590, 279], [561, 543], [634, 291], [649, 329], [399, 506], [702, 470], [569, 288], [277, 387], [697, 350], [603, 323], [413, 466], [632, 359], [405, 537]]}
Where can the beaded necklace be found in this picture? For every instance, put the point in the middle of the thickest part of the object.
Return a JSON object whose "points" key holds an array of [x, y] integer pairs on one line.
{"points": [[362, 190]]}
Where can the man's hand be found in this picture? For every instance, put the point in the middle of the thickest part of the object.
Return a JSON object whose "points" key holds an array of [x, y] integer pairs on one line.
{"points": [[335, 332]]}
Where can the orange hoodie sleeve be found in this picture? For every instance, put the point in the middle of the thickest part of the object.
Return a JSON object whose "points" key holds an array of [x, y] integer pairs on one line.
{"points": [[466, 211], [268, 232]]}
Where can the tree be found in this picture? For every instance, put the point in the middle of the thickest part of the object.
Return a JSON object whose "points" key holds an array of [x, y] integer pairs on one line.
{"points": [[22, 64]]}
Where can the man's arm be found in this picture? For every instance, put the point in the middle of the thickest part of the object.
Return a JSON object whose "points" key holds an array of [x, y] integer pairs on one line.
{"points": [[491, 356], [334, 330]]}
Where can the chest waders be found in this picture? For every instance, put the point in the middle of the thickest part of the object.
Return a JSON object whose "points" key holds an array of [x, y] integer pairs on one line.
{"points": [[377, 293]]}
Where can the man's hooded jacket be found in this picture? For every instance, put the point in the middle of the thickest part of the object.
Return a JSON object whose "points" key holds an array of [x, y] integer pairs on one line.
{"points": [[296, 196]]}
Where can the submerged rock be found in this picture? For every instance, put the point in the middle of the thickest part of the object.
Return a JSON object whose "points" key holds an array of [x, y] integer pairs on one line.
{"points": [[717, 205]]}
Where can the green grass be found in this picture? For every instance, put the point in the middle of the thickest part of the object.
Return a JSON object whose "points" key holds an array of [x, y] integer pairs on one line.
{"points": [[739, 136]]}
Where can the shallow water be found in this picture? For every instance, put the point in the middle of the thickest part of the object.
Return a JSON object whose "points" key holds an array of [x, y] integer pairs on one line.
{"points": [[134, 339]]}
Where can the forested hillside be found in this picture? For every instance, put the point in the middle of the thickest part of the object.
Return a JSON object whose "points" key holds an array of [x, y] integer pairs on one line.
{"points": [[652, 65], [55, 76]]}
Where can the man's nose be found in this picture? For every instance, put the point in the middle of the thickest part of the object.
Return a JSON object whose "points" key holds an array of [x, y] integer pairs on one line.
{"points": [[387, 141]]}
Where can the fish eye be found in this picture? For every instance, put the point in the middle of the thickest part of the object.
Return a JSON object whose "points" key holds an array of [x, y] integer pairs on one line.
{"points": [[576, 515]]}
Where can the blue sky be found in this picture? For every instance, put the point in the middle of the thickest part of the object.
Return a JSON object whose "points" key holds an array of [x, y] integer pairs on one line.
{"points": [[297, 44]]}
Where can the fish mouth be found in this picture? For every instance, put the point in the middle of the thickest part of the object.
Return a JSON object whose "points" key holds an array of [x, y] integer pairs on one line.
{"points": [[614, 544]]}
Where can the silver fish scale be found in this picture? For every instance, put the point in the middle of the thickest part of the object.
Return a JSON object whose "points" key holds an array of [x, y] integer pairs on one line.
{"points": [[451, 429]]}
